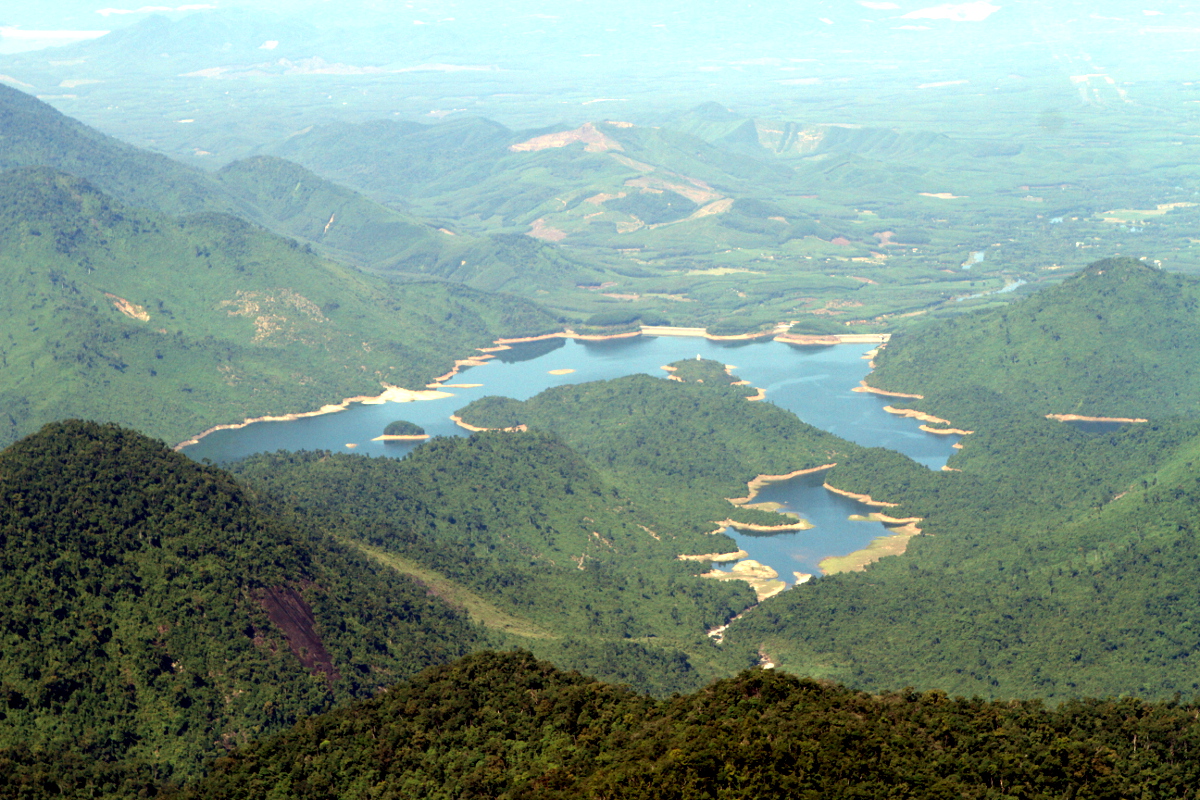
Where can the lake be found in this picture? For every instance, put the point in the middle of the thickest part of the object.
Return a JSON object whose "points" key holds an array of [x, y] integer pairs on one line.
{"points": [[815, 383]]}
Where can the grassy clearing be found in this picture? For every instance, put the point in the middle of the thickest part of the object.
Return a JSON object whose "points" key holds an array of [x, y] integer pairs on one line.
{"points": [[478, 609]]}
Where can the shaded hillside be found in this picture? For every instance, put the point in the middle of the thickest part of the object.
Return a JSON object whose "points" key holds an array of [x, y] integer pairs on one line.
{"points": [[507, 726], [1118, 340], [176, 325], [519, 520], [153, 614]]}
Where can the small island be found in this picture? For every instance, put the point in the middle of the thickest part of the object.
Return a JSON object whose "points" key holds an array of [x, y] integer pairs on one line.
{"points": [[402, 431], [708, 372]]}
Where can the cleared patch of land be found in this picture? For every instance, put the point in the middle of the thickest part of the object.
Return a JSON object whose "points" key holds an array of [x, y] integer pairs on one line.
{"points": [[478, 609]]}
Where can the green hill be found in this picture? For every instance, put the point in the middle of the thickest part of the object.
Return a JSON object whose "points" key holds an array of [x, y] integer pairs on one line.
{"points": [[174, 325], [1057, 560], [288, 199], [507, 726], [1117, 340], [153, 614], [340, 221], [574, 566], [35, 135], [677, 448]]}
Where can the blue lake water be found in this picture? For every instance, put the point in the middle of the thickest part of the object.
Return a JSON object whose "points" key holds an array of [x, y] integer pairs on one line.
{"points": [[815, 383]]}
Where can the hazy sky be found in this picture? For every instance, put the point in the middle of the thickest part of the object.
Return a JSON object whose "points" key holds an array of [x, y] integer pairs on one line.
{"points": [[28, 26]]}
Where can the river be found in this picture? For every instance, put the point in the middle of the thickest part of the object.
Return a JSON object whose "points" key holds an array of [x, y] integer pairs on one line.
{"points": [[815, 383]]}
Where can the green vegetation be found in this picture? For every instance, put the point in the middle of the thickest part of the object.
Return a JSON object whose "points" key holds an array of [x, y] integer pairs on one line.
{"points": [[504, 725], [173, 326], [403, 427], [521, 521], [677, 449], [1057, 560], [708, 372], [1117, 340], [154, 614]]}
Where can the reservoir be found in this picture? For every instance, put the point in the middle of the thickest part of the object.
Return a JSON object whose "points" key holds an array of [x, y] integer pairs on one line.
{"points": [[814, 383]]}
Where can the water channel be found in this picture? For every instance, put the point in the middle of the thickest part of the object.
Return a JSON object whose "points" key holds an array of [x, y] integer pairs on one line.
{"points": [[815, 383]]}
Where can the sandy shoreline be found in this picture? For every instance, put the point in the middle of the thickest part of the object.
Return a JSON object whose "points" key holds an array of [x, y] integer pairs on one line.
{"points": [[863, 387], [736, 555], [945, 431], [762, 579], [762, 480], [476, 429], [395, 437], [892, 544], [396, 394], [390, 394], [799, 525], [912, 413], [865, 499], [1081, 418]]}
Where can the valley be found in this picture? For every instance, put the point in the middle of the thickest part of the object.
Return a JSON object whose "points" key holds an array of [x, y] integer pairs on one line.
{"points": [[542, 402]]}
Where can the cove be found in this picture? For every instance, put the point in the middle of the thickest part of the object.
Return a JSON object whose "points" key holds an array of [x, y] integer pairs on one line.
{"points": [[813, 382]]}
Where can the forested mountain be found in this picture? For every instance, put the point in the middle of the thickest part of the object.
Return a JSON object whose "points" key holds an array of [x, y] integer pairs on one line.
{"points": [[174, 325], [561, 559], [36, 135], [280, 196], [153, 614], [1057, 560], [507, 726], [1117, 340], [678, 448]]}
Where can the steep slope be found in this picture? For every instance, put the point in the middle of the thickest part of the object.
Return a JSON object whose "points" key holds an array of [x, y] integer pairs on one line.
{"points": [[33, 134], [522, 521], [341, 221], [176, 325], [507, 726], [153, 614], [1117, 340]]}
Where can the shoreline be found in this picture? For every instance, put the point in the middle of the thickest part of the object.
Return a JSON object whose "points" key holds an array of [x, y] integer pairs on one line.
{"points": [[476, 429], [799, 525], [1081, 418], [754, 484], [891, 544], [865, 499], [764, 580], [945, 431], [433, 389], [736, 555], [901, 530], [863, 387], [396, 437], [390, 394]]}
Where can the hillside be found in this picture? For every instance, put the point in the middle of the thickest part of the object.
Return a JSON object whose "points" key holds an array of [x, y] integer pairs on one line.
{"points": [[36, 135], [174, 325], [563, 562], [286, 198], [677, 448], [1117, 340], [499, 725], [153, 614], [1057, 560]]}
